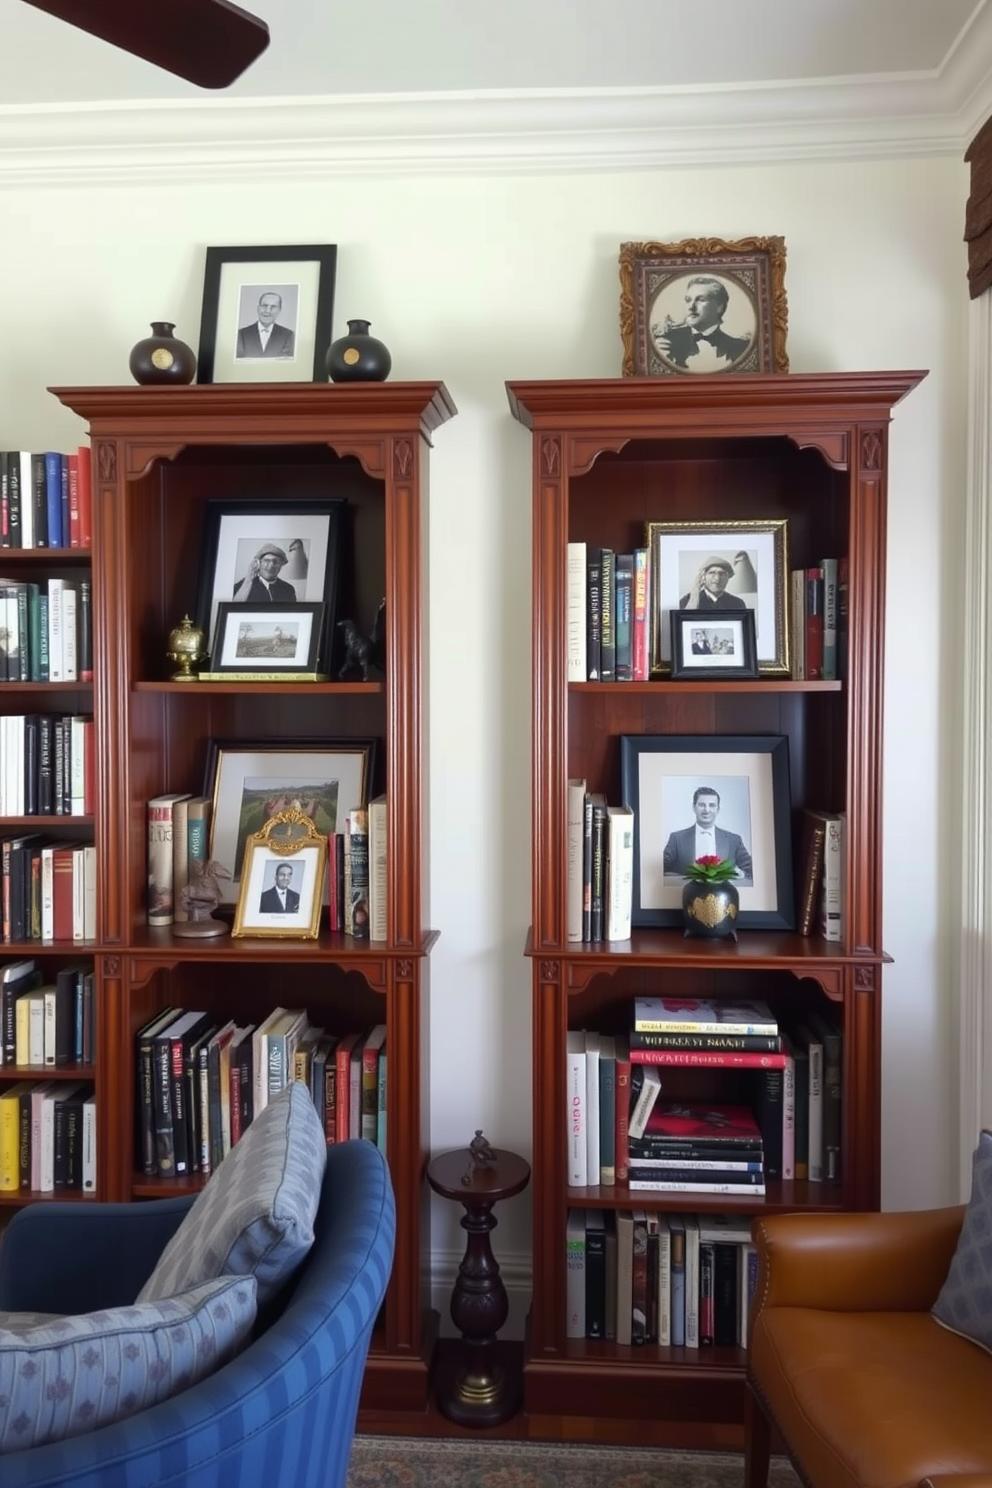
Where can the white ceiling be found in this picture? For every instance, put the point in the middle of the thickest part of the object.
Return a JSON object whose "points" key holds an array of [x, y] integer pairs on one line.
{"points": [[436, 46]]}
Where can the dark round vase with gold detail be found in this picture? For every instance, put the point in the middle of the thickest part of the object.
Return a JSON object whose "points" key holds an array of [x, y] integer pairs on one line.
{"points": [[359, 356], [710, 909], [162, 357]]}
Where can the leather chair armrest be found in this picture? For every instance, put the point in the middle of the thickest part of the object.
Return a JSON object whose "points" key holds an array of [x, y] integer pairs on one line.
{"points": [[958, 1480], [72, 1258], [856, 1262]]}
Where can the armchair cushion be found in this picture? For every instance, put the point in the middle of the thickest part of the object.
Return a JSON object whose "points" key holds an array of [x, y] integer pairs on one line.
{"points": [[60, 1378], [255, 1216], [965, 1301]]}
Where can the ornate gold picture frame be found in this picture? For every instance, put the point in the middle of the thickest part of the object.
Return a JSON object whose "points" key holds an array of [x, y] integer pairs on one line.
{"points": [[282, 879], [703, 306]]}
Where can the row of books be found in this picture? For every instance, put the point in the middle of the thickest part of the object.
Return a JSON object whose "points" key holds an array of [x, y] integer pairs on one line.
{"points": [[818, 630], [607, 614], [676, 1280], [600, 866], [46, 499], [48, 1137], [201, 1082], [823, 856], [47, 889], [46, 1023], [46, 630], [621, 1129], [47, 764]]}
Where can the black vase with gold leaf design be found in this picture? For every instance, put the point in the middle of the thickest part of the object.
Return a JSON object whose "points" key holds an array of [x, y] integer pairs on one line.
{"points": [[358, 357]]}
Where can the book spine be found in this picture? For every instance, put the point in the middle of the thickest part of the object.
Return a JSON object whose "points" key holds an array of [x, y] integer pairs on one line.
{"points": [[814, 623], [573, 890], [575, 1274], [85, 496], [623, 1114], [89, 1144], [575, 620], [623, 610], [165, 1154], [575, 1098], [641, 621], [357, 907], [85, 630], [378, 870], [653, 1185], [739, 1043], [829, 570], [700, 1058], [594, 613], [160, 902], [598, 887], [53, 498], [832, 913]]}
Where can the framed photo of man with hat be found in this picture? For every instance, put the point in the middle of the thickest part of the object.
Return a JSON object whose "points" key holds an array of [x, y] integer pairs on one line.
{"points": [[267, 553], [720, 569]]}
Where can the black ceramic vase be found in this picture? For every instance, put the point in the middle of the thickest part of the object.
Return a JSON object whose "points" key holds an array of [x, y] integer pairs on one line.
{"points": [[710, 909], [358, 357], [162, 357]]}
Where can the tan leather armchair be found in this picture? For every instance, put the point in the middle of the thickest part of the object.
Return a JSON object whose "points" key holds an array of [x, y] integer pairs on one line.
{"points": [[847, 1365]]}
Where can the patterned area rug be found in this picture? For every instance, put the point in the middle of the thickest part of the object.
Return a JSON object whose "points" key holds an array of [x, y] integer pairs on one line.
{"points": [[410, 1462]]}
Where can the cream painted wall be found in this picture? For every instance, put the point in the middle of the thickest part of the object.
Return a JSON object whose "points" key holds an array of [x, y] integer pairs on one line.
{"points": [[476, 280]]}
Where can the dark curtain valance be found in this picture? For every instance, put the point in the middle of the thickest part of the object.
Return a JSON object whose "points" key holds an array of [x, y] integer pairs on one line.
{"points": [[978, 213]]}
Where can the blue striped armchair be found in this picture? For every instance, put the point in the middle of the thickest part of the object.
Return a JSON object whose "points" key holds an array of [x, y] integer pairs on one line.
{"points": [[283, 1411]]}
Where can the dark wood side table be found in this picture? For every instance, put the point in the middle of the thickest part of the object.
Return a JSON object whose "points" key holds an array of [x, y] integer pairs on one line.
{"points": [[481, 1392]]}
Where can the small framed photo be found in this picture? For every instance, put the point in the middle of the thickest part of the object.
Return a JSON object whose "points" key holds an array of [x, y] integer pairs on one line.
{"points": [[703, 305], [727, 795], [720, 648], [721, 569], [249, 784], [269, 638], [267, 314], [269, 554], [282, 879]]}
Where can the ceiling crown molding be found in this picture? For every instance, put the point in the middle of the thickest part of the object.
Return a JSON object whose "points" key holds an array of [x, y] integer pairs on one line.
{"points": [[884, 116]]}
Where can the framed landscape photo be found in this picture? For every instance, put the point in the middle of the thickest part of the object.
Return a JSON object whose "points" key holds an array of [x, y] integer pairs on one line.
{"points": [[722, 647], [271, 553], [720, 569], [736, 787], [267, 314], [268, 638], [282, 881], [249, 784], [703, 306]]}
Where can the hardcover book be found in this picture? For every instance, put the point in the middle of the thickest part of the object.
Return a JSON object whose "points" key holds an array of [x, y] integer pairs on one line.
{"points": [[700, 1015]]}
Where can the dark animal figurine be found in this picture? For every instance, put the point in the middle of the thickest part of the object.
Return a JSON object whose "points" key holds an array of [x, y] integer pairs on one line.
{"points": [[363, 652], [480, 1155]]}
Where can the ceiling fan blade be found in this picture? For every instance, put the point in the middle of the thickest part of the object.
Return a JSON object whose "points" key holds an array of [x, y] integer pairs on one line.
{"points": [[208, 42]]}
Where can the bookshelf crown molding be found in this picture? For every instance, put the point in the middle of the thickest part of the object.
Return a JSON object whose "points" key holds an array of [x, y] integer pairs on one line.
{"points": [[889, 115]]}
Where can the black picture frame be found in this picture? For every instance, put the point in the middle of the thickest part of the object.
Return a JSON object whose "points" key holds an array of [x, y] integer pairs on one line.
{"points": [[660, 773], [309, 535], [268, 638], [234, 281], [728, 638]]}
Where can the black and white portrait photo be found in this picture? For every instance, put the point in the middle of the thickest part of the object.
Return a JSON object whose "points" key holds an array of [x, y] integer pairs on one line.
{"points": [[703, 322], [278, 895], [267, 316], [716, 817], [723, 647]]}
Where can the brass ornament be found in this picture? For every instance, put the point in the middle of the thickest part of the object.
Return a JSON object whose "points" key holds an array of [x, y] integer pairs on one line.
{"points": [[186, 648]]}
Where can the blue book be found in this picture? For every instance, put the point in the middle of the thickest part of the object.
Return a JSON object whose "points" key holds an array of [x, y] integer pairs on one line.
{"points": [[53, 497]]}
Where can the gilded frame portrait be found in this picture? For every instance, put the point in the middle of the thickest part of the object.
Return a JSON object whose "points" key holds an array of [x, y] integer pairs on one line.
{"points": [[704, 305], [755, 558], [282, 880]]}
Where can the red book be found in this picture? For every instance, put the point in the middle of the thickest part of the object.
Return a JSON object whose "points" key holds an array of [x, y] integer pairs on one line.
{"points": [[704, 1059], [622, 1123], [73, 463], [85, 498], [716, 1123], [814, 623], [62, 872], [342, 1068]]}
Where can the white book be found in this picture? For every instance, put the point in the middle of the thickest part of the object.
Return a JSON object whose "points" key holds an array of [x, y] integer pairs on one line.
{"points": [[691, 1281], [724, 1229], [378, 869], [36, 1028], [180, 857], [815, 1109], [664, 1281], [625, 1274], [645, 1102], [48, 892], [89, 1144], [78, 894], [592, 1107], [77, 765], [665, 1185], [89, 891], [38, 1094], [70, 644], [575, 1113], [575, 613], [788, 1113], [832, 902], [55, 653], [619, 871], [27, 500], [575, 1274], [260, 1058], [573, 880]]}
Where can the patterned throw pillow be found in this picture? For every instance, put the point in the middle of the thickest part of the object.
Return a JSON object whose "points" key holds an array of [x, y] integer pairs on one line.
{"points": [[255, 1216], [965, 1302], [60, 1378]]}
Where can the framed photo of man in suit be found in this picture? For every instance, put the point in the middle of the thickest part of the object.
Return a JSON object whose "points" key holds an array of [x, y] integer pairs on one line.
{"points": [[703, 306], [282, 879], [709, 795], [267, 314]]}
